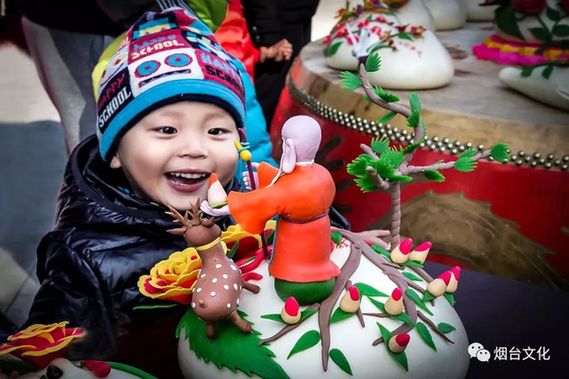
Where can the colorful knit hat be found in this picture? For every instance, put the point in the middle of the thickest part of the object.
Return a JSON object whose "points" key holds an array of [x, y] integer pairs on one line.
{"points": [[165, 57]]}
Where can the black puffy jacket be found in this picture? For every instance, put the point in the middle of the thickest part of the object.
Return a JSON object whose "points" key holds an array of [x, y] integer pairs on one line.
{"points": [[89, 265]]}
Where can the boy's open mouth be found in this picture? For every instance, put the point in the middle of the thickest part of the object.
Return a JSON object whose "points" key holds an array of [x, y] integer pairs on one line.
{"points": [[187, 181]]}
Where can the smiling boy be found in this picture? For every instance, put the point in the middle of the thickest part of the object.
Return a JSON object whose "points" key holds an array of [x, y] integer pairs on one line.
{"points": [[184, 143], [168, 117]]}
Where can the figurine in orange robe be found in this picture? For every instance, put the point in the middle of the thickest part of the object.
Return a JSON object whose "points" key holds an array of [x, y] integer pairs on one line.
{"points": [[300, 192]]}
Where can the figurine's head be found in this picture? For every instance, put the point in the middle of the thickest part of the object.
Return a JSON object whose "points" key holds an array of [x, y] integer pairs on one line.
{"points": [[301, 137], [170, 101]]}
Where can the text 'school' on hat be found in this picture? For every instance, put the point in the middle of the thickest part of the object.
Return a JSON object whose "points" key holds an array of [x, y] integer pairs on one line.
{"points": [[165, 57]]}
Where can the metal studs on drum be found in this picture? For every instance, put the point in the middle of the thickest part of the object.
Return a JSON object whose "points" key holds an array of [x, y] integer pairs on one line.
{"points": [[434, 143]]}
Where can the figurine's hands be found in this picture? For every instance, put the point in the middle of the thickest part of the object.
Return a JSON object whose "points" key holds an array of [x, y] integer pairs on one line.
{"points": [[247, 179], [216, 212], [374, 237]]}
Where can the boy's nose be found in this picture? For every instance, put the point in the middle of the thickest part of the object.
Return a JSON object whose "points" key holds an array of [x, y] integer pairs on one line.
{"points": [[192, 147]]}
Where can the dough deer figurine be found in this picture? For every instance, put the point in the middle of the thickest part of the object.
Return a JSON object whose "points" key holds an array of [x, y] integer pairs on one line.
{"points": [[216, 292]]}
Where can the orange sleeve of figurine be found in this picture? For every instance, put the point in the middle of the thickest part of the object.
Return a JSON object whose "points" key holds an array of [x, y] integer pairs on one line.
{"points": [[252, 209], [266, 174]]}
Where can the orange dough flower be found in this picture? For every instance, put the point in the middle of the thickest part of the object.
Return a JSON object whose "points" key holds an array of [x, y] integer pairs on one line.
{"points": [[174, 278]]}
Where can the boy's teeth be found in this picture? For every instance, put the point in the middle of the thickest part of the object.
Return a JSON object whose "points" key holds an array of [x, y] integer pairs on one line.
{"points": [[188, 175]]}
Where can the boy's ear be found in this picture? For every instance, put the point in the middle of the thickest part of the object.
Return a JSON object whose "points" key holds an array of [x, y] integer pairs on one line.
{"points": [[116, 162]]}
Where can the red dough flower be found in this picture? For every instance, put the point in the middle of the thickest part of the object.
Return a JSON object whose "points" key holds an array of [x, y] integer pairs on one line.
{"points": [[394, 305], [354, 293], [529, 6], [398, 342], [400, 253], [438, 286], [350, 302], [417, 30], [40, 344], [291, 311], [454, 278]]}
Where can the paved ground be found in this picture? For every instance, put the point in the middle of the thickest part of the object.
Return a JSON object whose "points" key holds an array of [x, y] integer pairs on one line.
{"points": [[32, 156]]}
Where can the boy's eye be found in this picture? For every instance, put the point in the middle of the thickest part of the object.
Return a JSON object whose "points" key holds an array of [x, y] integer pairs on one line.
{"points": [[167, 130], [217, 131]]}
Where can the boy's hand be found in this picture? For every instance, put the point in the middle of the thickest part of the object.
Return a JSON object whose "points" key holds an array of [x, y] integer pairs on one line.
{"points": [[247, 179], [279, 51], [215, 212]]}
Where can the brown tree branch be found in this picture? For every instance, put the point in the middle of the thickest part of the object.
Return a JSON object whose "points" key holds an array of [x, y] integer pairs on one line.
{"points": [[415, 286], [418, 132], [361, 318], [395, 192], [326, 306], [368, 89], [417, 169], [418, 135], [395, 266], [378, 241], [379, 315], [287, 328], [433, 326], [393, 274], [439, 166], [380, 183], [366, 149], [422, 273]]}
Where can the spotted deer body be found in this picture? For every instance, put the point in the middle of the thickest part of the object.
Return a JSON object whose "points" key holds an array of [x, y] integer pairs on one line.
{"points": [[216, 292]]}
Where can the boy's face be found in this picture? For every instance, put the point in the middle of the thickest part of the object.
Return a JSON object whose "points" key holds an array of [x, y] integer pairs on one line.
{"points": [[169, 155]]}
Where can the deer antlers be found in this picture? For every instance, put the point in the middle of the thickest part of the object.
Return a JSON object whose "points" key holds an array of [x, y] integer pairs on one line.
{"points": [[189, 219]]}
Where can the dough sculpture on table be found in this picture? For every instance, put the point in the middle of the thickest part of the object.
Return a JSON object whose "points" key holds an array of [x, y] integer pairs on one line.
{"points": [[413, 57], [384, 315], [533, 36]]}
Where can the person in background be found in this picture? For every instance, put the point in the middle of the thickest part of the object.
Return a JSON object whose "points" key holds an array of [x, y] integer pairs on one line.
{"points": [[234, 35], [287, 24], [65, 39]]}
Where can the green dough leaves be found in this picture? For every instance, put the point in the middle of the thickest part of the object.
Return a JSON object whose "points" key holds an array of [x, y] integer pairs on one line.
{"points": [[231, 348]]}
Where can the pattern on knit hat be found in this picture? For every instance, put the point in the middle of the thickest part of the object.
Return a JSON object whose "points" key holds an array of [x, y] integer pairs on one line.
{"points": [[165, 57]]}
